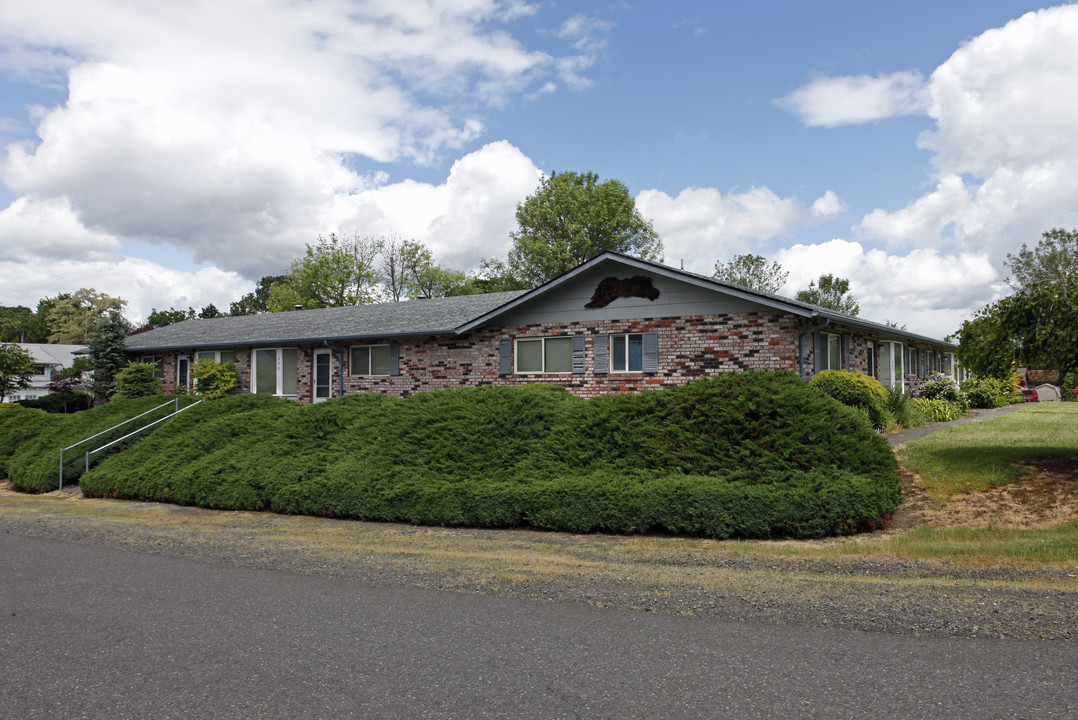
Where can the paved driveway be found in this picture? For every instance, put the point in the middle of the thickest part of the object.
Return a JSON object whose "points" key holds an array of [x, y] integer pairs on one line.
{"points": [[95, 632]]}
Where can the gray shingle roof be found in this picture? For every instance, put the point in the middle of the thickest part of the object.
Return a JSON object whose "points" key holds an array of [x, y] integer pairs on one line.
{"points": [[414, 317]]}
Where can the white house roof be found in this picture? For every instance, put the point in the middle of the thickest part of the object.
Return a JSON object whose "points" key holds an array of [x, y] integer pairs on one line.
{"points": [[62, 355]]}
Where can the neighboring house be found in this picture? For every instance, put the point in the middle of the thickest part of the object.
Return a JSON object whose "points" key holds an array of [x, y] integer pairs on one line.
{"points": [[49, 361], [613, 324]]}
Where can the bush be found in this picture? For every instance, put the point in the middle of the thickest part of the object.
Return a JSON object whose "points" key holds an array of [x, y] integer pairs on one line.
{"points": [[33, 463], [138, 379], [987, 392], [936, 409], [213, 380], [752, 454], [61, 402], [854, 389], [901, 408], [941, 387], [19, 425]]}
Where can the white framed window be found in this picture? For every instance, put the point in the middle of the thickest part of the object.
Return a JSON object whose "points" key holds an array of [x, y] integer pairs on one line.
{"points": [[369, 360], [890, 357], [544, 355], [274, 371], [219, 356], [627, 352]]}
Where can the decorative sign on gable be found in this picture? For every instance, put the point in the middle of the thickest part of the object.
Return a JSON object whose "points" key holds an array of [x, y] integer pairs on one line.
{"points": [[612, 288]]}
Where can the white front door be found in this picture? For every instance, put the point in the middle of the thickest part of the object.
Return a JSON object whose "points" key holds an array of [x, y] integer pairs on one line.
{"points": [[322, 376]]}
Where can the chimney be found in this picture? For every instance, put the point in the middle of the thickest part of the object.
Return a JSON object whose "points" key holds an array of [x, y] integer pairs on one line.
{"points": [[298, 307]]}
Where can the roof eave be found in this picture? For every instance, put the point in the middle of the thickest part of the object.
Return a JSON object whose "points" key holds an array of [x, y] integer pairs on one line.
{"points": [[285, 341]]}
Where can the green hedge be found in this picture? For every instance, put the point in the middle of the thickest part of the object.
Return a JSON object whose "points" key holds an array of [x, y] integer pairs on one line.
{"points": [[33, 461], [752, 454]]}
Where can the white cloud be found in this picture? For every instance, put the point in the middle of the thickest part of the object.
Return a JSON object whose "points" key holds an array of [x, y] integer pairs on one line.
{"points": [[701, 225], [144, 284], [929, 291], [49, 229], [229, 130], [1005, 149], [464, 219], [834, 101]]}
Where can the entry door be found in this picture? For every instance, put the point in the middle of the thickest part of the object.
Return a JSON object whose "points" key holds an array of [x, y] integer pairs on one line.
{"points": [[322, 385], [183, 371]]}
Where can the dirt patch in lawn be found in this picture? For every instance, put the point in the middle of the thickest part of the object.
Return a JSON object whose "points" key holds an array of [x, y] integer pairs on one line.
{"points": [[1046, 496]]}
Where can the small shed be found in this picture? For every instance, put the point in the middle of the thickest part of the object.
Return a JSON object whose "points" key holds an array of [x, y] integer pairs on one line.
{"points": [[1048, 393]]}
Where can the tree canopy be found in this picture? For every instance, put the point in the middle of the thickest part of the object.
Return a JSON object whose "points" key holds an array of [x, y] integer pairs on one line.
{"points": [[257, 300], [1037, 325], [832, 293], [1053, 260], [16, 368], [571, 218], [72, 317], [334, 272], [753, 272]]}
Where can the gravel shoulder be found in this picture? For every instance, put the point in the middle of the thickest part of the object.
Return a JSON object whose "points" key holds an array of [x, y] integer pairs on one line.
{"points": [[726, 580]]}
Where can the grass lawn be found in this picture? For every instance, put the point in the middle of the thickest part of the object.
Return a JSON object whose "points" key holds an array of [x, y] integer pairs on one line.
{"points": [[974, 457]]}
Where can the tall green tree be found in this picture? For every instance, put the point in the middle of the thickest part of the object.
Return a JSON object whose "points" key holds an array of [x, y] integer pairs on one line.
{"points": [[753, 272], [161, 318], [106, 351], [334, 272], [16, 368], [256, 301], [832, 293], [74, 316], [1053, 260], [571, 218]]}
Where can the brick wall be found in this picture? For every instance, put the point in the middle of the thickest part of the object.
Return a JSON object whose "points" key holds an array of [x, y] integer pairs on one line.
{"points": [[689, 347]]}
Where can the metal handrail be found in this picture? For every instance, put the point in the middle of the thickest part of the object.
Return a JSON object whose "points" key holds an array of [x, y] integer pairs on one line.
{"points": [[136, 432], [175, 402]]}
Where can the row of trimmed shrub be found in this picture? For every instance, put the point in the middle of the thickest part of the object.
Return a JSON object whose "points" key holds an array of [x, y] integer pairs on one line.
{"points": [[30, 439], [744, 455], [752, 454]]}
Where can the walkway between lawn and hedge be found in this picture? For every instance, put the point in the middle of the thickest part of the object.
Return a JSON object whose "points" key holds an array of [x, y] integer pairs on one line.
{"points": [[904, 436]]}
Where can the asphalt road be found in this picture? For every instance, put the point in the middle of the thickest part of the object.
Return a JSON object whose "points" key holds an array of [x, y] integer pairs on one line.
{"points": [[95, 632]]}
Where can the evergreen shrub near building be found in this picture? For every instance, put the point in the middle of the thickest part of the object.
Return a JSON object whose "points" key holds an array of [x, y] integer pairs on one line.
{"points": [[33, 462], [754, 454], [855, 390]]}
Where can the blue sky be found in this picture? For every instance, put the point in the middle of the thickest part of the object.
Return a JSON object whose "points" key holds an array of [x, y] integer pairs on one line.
{"points": [[173, 156]]}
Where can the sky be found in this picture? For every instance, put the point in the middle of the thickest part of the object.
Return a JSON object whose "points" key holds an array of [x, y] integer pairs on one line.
{"points": [[174, 153]]}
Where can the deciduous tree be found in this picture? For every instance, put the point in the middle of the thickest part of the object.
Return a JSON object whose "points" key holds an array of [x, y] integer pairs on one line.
{"points": [[16, 368], [832, 293], [753, 272], [74, 316], [334, 272], [571, 218], [1053, 260]]}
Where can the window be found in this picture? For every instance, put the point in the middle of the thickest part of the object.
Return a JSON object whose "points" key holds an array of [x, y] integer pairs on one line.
{"points": [[828, 352], [890, 357], [220, 356], [627, 352], [157, 360], [369, 360], [545, 355], [274, 371]]}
